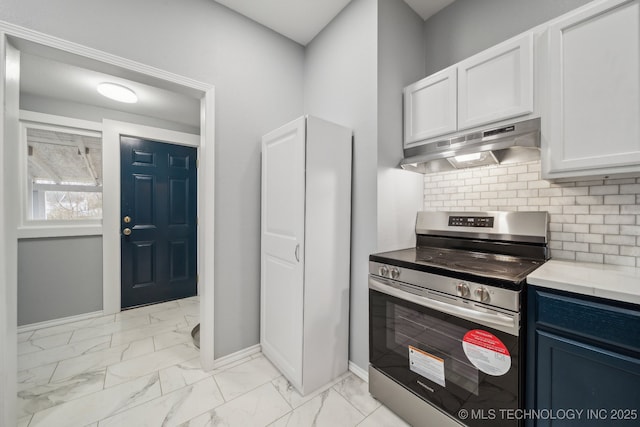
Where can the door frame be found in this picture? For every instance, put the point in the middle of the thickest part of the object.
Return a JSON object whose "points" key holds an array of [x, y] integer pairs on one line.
{"points": [[111, 192], [10, 197]]}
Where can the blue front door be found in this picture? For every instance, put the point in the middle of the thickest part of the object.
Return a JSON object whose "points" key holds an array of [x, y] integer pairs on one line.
{"points": [[158, 221]]}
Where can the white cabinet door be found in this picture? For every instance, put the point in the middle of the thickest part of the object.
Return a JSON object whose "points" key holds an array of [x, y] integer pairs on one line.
{"points": [[430, 107], [282, 284], [496, 84], [593, 125]]}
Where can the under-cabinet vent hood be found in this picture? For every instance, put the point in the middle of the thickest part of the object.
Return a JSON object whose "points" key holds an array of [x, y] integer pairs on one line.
{"points": [[514, 143]]}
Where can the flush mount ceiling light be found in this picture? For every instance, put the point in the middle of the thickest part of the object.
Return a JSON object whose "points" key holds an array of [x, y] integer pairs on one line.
{"points": [[117, 92]]}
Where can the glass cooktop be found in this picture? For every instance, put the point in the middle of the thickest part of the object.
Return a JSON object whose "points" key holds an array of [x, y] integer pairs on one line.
{"points": [[459, 263]]}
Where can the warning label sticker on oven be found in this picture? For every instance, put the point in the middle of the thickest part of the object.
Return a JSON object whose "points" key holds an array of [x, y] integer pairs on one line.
{"points": [[429, 366], [486, 352]]}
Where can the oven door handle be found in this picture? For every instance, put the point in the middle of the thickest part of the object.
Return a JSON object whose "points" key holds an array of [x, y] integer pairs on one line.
{"points": [[493, 319]]}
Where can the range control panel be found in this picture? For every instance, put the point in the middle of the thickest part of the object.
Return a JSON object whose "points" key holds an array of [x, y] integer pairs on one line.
{"points": [[471, 221]]}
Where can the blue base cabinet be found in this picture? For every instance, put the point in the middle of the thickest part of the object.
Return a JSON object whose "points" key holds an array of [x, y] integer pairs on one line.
{"points": [[583, 361]]}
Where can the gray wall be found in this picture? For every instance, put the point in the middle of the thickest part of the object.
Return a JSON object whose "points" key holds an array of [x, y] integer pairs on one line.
{"points": [[258, 76], [341, 86], [400, 62], [467, 27], [58, 277]]}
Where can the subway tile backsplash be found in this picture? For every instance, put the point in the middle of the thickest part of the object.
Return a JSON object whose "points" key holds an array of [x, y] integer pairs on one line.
{"points": [[590, 220]]}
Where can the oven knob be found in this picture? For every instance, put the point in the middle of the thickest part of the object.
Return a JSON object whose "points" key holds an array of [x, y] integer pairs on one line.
{"points": [[395, 273], [383, 271], [482, 294], [462, 289]]}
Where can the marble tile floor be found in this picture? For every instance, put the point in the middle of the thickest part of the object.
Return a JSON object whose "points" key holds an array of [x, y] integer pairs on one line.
{"points": [[140, 368]]}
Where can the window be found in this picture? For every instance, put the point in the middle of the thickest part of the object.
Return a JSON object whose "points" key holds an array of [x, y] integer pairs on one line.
{"points": [[64, 173]]}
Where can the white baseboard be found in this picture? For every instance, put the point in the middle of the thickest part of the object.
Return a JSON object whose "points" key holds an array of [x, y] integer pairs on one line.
{"points": [[55, 322], [238, 355], [359, 372]]}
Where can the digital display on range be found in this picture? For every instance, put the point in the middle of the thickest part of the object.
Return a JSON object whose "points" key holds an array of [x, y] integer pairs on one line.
{"points": [[471, 221]]}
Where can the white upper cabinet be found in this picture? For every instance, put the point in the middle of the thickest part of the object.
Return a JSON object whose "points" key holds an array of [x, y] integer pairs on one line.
{"points": [[592, 121], [492, 86], [496, 84], [430, 107]]}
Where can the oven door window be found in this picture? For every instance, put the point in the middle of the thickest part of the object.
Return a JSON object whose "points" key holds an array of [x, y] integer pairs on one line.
{"points": [[424, 350]]}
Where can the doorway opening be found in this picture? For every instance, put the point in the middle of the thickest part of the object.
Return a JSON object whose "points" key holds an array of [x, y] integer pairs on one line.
{"points": [[19, 42]]}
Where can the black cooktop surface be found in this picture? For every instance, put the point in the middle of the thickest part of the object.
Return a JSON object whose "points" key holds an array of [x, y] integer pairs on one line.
{"points": [[469, 265]]}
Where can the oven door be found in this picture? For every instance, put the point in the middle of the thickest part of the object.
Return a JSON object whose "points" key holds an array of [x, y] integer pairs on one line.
{"points": [[460, 356]]}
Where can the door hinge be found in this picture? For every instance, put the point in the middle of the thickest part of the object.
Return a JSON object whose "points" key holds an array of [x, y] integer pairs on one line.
{"points": [[197, 221], [197, 278], [197, 163]]}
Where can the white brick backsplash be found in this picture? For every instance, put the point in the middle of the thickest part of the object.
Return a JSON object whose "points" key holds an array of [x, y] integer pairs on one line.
{"points": [[514, 170], [497, 187], [508, 178], [562, 200], [589, 238], [630, 251], [620, 240], [605, 229], [603, 189], [589, 200], [619, 181], [564, 237], [538, 184], [575, 246], [620, 260], [575, 191], [489, 180], [630, 189], [529, 176], [604, 249], [574, 209], [629, 199], [630, 209], [604, 209], [575, 228], [550, 192], [620, 219], [517, 185], [589, 257], [590, 220], [631, 230], [567, 255]]}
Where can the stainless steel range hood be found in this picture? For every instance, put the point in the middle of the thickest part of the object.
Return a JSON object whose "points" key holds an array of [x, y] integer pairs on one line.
{"points": [[514, 143]]}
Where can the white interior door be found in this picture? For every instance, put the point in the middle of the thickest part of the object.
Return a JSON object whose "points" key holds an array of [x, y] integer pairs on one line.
{"points": [[283, 184]]}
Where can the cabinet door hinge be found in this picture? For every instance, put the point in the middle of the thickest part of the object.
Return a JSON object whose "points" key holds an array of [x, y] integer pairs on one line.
{"points": [[197, 163]]}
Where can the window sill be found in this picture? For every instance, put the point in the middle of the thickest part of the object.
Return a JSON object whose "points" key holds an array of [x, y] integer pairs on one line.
{"points": [[44, 231]]}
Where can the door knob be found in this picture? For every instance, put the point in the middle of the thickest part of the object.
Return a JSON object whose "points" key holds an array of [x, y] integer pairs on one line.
{"points": [[127, 219], [126, 231]]}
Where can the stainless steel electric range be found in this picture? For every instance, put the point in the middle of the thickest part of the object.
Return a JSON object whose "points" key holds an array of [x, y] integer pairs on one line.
{"points": [[445, 317]]}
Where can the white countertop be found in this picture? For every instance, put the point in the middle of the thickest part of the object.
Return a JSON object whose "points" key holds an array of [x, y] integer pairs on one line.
{"points": [[599, 280]]}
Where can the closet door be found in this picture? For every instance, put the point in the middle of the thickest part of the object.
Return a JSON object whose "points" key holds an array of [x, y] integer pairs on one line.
{"points": [[282, 273]]}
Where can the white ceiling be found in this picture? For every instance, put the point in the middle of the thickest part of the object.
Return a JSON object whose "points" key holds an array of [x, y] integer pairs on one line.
{"points": [[302, 20], [58, 80], [50, 73], [428, 8]]}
